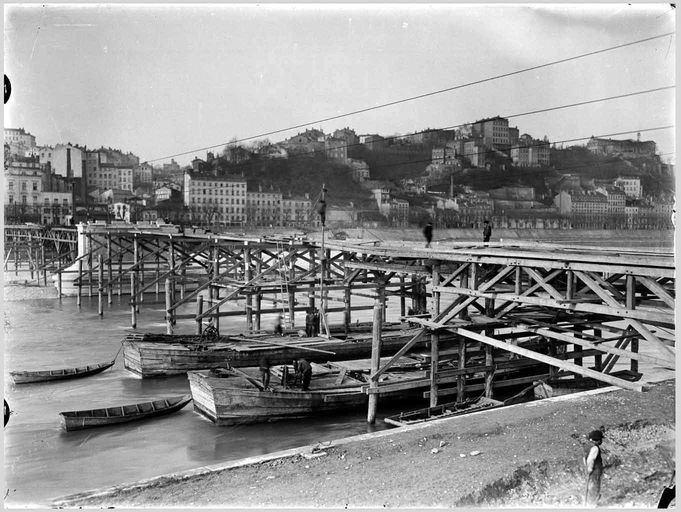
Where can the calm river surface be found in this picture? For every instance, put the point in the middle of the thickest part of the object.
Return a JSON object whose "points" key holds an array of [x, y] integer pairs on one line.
{"points": [[43, 462]]}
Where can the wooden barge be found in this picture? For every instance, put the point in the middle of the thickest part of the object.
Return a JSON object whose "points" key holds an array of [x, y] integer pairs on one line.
{"points": [[159, 355], [236, 396]]}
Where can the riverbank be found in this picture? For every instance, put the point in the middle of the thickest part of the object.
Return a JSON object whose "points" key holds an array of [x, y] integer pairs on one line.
{"points": [[523, 455]]}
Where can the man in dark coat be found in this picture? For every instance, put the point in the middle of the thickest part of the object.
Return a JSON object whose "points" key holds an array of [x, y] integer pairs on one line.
{"points": [[265, 371], [305, 370], [428, 233], [486, 232]]}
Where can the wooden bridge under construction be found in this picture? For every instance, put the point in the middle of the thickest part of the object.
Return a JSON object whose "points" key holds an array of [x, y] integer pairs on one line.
{"points": [[584, 308]]}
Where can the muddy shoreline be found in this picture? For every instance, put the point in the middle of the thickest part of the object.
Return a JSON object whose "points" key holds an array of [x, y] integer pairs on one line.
{"points": [[529, 455]]}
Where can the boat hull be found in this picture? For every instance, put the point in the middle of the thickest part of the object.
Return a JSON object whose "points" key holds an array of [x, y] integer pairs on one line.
{"points": [[225, 403], [29, 377], [79, 420], [148, 359]]}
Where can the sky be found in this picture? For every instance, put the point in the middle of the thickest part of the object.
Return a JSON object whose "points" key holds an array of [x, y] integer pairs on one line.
{"points": [[175, 79]]}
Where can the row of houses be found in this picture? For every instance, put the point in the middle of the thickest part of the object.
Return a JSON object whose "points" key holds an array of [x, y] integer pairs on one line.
{"points": [[486, 137]]}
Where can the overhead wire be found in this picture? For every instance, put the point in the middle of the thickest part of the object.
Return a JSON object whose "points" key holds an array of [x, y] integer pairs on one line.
{"points": [[424, 95], [305, 154]]}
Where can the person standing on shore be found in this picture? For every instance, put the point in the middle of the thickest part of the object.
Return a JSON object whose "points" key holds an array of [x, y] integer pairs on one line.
{"points": [[428, 233], [593, 463], [486, 232]]}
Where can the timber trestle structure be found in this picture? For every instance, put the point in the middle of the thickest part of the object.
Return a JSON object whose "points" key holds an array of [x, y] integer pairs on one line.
{"points": [[570, 310]]}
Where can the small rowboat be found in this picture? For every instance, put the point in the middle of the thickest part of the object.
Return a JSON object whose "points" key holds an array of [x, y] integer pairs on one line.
{"points": [[78, 420], [26, 377], [447, 410]]}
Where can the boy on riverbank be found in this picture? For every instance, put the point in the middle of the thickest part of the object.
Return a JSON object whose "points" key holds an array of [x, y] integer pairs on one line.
{"points": [[593, 463]]}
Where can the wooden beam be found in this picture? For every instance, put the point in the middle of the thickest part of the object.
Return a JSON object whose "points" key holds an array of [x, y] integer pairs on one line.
{"points": [[544, 331], [587, 372]]}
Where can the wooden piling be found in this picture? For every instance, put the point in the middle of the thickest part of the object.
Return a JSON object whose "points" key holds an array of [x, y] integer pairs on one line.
{"points": [[199, 311], [120, 275], [216, 273], [434, 361], [133, 300], [435, 339], [136, 272], [461, 379], [109, 283], [376, 335], [257, 307], [403, 302], [598, 358], [158, 274], [42, 263], [100, 286], [249, 293], [59, 284], [347, 303], [80, 282], [489, 374], [169, 303], [89, 264], [630, 300]]}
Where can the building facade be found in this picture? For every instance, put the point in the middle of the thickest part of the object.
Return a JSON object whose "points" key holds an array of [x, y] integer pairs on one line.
{"points": [[296, 211], [215, 199], [631, 186], [20, 142], [264, 208]]}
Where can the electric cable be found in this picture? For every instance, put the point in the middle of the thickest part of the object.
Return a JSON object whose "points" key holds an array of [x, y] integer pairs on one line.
{"points": [[432, 93]]}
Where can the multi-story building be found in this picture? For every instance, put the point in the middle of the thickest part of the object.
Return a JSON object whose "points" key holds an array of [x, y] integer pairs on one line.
{"points": [[347, 135], [360, 170], [20, 142], [399, 212], [382, 197], [142, 174], [493, 131], [589, 205], [264, 208], [372, 141], [215, 199], [23, 184], [475, 151], [444, 154], [309, 142], [56, 207], [529, 152], [163, 193], [616, 199], [68, 160], [630, 185], [336, 149], [476, 206], [629, 148], [296, 211]]}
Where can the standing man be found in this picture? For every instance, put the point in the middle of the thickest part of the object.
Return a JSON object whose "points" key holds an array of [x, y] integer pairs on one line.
{"points": [[486, 232], [428, 233], [278, 329], [308, 323], [593, 463], [305, 370], [265, 372]]}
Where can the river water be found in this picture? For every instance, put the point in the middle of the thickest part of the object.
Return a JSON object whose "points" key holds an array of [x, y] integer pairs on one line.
{"points": [[42, 461]]}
